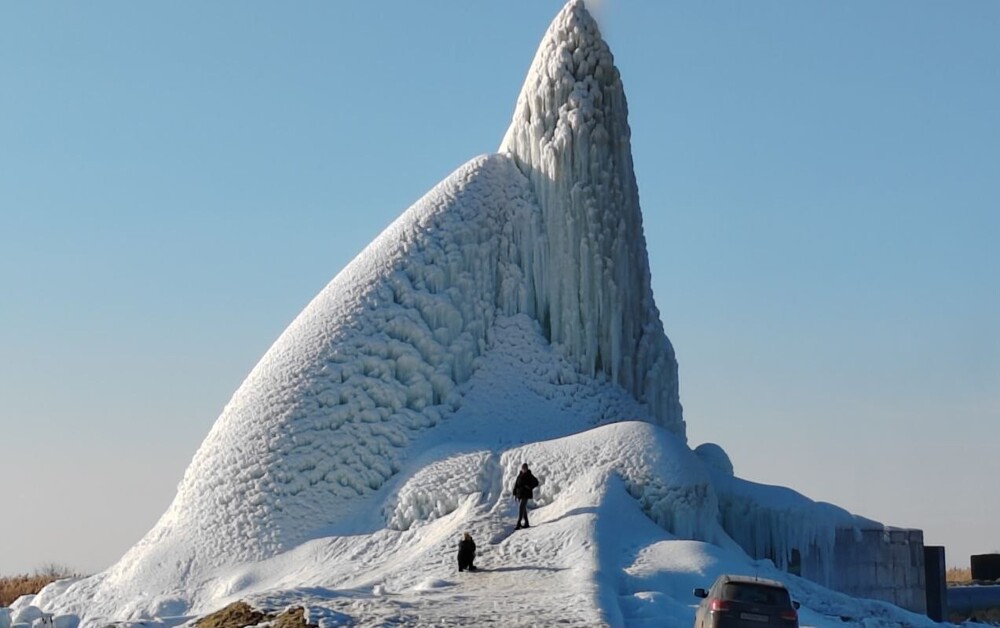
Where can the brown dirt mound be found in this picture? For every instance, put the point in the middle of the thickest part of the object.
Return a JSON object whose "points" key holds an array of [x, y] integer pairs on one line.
{"points": [[294, 617], [240, 615]]}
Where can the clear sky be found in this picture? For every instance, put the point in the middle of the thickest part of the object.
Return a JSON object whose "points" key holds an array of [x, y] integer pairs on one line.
{"points": [[820, 185]]}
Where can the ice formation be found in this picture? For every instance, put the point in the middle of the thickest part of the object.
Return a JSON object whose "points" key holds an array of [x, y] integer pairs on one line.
{"points": [[570, 136], [508, 308], [549, 228]]}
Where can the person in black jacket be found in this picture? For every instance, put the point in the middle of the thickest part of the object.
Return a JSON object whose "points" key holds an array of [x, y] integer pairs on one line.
{"points": [[524, 487], [466, 553]]}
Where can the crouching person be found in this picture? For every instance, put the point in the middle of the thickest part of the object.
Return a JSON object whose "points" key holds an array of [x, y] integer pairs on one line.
{"points": [[466, 553]]}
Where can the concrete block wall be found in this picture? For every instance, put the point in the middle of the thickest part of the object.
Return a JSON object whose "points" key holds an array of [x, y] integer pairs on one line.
{"points": [[878, 563]]}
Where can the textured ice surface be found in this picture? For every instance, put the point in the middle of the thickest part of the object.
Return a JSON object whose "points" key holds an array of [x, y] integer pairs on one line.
{"points": [[715, 458], [657, 470], [327, 414], [570, 136]]}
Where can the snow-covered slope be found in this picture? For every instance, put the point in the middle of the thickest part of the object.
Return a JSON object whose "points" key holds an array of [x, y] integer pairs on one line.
{"points": [[506, 317], [328, 413]]}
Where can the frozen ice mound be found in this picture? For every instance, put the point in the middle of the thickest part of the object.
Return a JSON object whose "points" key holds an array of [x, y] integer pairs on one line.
{"points": [[548, 232], [379, 355], [657, 469], [512, 301]]}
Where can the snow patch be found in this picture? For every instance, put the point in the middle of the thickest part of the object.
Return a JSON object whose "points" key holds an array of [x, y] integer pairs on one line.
{"points": [[432, 584]]}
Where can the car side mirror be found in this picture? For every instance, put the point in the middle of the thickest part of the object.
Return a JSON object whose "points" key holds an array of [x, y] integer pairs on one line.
{"points": [[699, 592], [796, 605]]}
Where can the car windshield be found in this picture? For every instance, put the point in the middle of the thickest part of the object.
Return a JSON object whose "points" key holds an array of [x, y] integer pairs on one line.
{"points": [[755, 594]]}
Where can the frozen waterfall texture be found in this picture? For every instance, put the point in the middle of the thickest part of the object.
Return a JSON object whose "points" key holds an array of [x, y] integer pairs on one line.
{"points": [[549, 228], [570, 137]]}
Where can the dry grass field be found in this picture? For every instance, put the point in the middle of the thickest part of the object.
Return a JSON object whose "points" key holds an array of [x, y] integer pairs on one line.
{"points": [[958, 575], [13, 587]]}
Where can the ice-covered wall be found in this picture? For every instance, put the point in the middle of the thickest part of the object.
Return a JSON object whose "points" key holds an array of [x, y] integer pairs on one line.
{"points": [[779, 524], [881, 563], [817, 540], [570, 136]]}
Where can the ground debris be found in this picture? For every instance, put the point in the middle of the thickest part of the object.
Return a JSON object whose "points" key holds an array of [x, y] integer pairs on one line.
{"points": [[240, 615]]}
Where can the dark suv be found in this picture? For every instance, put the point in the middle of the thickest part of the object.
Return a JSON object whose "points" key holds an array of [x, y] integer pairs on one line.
{"points": [[745, 602]]}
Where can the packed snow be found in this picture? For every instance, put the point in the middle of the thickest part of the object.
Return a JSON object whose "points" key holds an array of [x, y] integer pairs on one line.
{"points": [[505, 318]]}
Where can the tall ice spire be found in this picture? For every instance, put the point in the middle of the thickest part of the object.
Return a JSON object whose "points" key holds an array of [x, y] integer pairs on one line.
{"points": [[570, 137], [336, 408]]}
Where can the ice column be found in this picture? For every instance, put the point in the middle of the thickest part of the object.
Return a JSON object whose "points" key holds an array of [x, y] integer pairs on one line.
{"points": [[570, 136]]}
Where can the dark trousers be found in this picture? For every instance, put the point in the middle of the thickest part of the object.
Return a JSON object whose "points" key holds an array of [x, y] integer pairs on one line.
{"points": [[465, 561], [522, 513]]}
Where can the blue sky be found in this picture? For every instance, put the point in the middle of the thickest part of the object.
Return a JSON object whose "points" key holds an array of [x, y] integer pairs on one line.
{"points": [[820, 185]]}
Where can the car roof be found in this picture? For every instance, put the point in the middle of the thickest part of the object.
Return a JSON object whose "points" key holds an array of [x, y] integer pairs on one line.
{"points": [[739, 579]]}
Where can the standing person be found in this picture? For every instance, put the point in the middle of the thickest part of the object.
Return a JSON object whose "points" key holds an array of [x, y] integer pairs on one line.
{"points": [[524, 487], [466, 553]]}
